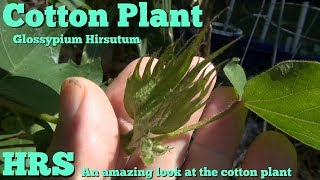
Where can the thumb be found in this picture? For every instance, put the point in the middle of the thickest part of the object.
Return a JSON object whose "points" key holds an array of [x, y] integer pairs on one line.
{"points": [[88, 126]]}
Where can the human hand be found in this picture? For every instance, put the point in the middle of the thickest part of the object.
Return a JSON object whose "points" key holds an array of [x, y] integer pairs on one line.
{"points": [[92, 121]]}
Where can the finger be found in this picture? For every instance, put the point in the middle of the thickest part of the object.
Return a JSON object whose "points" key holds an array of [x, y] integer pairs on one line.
{"points": [[175, 157], [88, 126], [215, 145], [271, 149]]}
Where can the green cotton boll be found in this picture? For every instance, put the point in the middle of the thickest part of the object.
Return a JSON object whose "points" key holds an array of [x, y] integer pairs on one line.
{"points": [[147, 155], [159, 150], [150, 150], [146, 145], [147, 159]]}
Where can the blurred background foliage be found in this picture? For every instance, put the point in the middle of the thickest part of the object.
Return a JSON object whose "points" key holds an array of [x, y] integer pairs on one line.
{"points": [[244, 15]]}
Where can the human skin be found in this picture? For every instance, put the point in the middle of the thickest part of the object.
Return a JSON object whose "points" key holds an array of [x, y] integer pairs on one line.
{"points": [[91, 122]]}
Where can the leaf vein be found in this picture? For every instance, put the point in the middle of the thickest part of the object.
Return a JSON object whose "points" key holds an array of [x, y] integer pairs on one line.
{"points": [[284, 115], [298, 119], [278, 98], [5, 48], [305, 110]]}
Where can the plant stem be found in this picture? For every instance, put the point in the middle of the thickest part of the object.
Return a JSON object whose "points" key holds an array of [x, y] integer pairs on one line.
{"points": [[200, 124], [27, 111]]}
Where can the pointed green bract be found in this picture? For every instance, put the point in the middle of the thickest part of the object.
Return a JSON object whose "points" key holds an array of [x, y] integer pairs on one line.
{"points": [[287, 96], [160, 102], [164, 100], [31, 95]]}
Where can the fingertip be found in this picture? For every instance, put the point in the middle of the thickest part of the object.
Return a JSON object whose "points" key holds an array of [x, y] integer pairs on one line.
{"points": [[88, 126], [271, 149], [72, 93]]}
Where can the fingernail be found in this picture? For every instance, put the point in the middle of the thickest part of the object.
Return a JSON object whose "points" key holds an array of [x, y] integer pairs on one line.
{"points": [[72, 92]]}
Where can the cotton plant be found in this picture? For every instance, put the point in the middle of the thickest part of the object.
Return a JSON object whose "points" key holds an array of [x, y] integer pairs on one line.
{"points": [[162, 101]]}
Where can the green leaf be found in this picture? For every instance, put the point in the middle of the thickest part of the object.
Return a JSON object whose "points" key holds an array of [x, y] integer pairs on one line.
{"points": [[236, 76], [36, 61], [31, 93], [11, 125], [287, 96], [96, 51], [15, 142], [3, 73]]}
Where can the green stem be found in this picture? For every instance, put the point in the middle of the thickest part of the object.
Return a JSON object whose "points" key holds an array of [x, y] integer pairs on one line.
{"points": [[27, 111], [200, 124]]}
